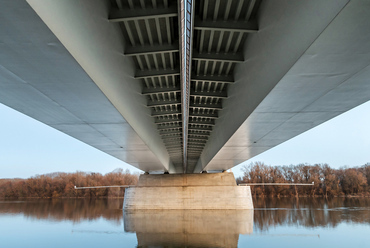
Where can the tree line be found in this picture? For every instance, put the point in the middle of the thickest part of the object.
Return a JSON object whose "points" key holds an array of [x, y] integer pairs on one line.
{"points": [[327, 181], [56, 185]]}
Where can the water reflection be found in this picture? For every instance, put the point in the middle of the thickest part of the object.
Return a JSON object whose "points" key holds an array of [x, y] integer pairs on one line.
{"points": [[309, 212], [269, 212], [74, 210], [189, 228]]}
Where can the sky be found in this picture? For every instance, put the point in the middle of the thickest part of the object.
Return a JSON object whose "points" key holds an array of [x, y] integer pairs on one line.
{"points": [[29, 147]]}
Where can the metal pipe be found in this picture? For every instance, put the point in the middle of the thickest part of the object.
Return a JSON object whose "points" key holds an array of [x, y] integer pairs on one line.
{"points": [[99, 187], [301, 184]]}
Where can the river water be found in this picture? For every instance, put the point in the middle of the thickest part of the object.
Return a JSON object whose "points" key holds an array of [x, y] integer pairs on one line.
{"points": [[286, 222]]}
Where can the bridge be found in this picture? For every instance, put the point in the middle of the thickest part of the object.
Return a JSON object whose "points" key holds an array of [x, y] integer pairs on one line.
{"points": [[187, 86]]}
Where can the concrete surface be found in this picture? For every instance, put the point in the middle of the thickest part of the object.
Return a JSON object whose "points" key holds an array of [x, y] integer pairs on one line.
{"points": [[188, 191]]}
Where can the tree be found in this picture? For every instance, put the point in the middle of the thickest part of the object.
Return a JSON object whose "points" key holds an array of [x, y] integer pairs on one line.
{"points": [[353, 181]]}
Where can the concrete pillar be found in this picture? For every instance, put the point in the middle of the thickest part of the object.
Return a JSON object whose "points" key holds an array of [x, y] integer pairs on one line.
{"points": [[188, 191]]}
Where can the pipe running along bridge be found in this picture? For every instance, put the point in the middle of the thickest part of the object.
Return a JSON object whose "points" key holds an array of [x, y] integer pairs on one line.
{"points": [[188, 86]]}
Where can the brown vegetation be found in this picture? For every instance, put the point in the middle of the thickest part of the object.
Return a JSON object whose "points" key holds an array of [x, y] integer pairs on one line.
{"points": [[327, 181], [59, 184]]}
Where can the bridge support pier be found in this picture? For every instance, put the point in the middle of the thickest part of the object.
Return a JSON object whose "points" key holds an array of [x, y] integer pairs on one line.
{"points": [[188, 191]]}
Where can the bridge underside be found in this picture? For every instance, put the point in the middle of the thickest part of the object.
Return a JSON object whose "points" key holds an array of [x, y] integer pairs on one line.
{"points": [[184, 86]]}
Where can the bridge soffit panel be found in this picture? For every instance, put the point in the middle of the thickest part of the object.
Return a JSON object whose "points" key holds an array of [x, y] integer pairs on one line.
{"points": [[84, 29], [315, 83]]}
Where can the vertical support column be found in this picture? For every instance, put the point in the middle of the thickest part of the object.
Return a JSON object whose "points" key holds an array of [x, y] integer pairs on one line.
{"points": [[186, 15], [188, 191]]}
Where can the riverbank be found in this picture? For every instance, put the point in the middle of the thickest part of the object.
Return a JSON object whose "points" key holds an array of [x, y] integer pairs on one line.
{"points": [[328, 182], [122, 197]]}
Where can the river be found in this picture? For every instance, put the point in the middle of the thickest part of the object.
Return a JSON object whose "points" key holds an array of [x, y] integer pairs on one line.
{"points": [[285, 222]]}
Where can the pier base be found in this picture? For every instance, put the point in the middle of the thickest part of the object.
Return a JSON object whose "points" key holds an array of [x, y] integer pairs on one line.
{"points": [[188, 191], [188, 228]]}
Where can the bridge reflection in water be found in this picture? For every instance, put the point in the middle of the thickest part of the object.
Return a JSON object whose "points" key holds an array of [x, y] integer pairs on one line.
{"points": [[103, 223], [188, 228]]}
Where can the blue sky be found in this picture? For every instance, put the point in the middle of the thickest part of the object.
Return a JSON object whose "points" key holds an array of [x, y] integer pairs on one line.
{"points": [[28, 147]]}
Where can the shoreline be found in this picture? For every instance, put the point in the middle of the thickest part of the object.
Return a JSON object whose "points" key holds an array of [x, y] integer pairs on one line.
{"points": [[122, 197]]}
